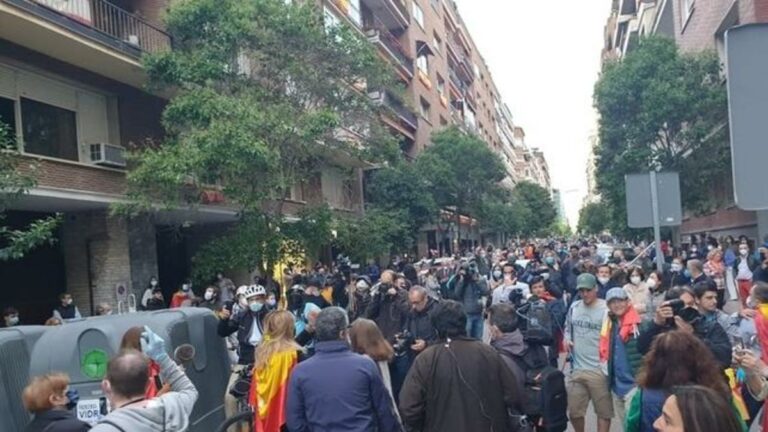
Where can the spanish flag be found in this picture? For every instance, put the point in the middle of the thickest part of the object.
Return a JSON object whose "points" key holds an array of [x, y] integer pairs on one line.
{"points": [[269, 391]]}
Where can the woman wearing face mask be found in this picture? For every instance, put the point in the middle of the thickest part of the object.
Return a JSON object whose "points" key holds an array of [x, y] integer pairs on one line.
{"points": [[658, 288], [50, 400], [184, 296], [153, 285], [497, 276], [10, 317], [211, 298], [744, 267], [676, 276], [639, 294], [715, 269]]}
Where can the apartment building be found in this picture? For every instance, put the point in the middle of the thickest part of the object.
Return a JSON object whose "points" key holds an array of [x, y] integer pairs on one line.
{"points": [[72, 89], [695, 25]]}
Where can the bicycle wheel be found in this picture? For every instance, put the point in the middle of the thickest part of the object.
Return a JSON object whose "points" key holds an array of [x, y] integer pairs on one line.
{"points": [[242, 422]]}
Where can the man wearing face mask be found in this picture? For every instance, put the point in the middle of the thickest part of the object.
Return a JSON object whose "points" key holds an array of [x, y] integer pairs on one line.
{"points": [[10, 317], [125, 384], [249, 325], [509, 285], [184, 296], [211, 299], [52, 404], [675, 276], [66, 310], [359, 298], [604, 281]]}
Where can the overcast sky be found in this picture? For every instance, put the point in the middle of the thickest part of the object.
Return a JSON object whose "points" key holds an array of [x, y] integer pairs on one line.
{"points": [[544, 56]]}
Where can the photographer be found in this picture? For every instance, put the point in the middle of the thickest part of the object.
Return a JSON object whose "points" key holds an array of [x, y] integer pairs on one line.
{"points": [[389, 306], [679, 312], [470, 289], [418, 325], [510, 287]]}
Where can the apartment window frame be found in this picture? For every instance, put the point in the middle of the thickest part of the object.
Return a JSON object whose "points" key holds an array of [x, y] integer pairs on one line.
{"points": [[686, 11], [418, 14], [437, 43], [10, 104], [440, 85], [425, 108], [65, 122], [422, 63]]}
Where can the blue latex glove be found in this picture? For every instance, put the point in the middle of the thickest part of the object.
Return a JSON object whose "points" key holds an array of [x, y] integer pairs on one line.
{"points": [[153, 345], [741, 376]]}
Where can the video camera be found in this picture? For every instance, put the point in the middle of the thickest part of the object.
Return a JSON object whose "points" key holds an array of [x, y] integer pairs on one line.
{"points": [[403, 342], [687, 314]]}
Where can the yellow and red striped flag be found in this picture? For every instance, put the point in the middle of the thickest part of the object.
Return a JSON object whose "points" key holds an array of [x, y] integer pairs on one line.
{"points": [[269, 391]]}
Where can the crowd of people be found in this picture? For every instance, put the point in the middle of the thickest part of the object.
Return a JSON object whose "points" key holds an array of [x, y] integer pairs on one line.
{"points": [[518, 338]]}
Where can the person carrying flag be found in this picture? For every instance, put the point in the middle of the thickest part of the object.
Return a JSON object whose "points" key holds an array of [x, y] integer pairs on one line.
{"points": [[276, 357]]}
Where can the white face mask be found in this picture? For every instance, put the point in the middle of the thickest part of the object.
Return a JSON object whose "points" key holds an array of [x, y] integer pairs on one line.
{"points": [[676, 267], [603, 280], [153, 283], [497, 274], [651, 283], [361, 286], [186, 287], [744, 252], [635, 280], [208, 295]]}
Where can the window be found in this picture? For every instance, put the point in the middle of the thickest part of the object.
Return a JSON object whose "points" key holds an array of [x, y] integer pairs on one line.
{"points": [[436, 42], [418, 14], [49, 130], [440, 85], [8, 115], [443, 121], [421, 63], [424, 108]]}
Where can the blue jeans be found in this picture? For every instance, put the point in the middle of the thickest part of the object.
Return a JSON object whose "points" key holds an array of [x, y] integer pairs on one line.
{"points": [[475, 326]]}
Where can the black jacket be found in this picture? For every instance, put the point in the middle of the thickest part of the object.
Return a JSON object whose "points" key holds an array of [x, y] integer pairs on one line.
{"points": [[242, 323], [57, 421], [711, 333], [419, 324], [389, 312]]}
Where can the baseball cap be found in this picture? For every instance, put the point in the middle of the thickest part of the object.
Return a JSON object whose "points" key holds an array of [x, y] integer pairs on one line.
{"points": [[586, 281], [616, 294]]}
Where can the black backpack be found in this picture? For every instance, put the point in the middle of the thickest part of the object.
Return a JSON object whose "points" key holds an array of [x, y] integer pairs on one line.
{"points": [[544, 396], [536, 323]]}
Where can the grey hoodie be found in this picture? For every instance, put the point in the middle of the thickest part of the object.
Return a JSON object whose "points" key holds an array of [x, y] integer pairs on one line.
{"points": [[511, 345], [167, 413]]}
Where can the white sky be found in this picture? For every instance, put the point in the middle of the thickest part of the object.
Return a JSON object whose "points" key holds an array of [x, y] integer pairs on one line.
{"points": [[544, 56]]}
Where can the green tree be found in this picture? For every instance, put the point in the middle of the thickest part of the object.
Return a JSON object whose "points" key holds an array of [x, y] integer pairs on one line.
{"points": [[660, 109], [540, 211], [400, 191], [378, 232], [17, 242], [460, 171], [593, 218], [264, 96]]}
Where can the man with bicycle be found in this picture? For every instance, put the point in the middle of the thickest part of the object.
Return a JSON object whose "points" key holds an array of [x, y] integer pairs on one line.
{"points": [[249, 324]]}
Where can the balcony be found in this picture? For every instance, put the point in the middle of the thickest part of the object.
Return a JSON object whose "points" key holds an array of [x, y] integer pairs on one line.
{"points": [[470, 99], [91, 34], [394, 104], [393, 13], [379, 35], [458, 86]]}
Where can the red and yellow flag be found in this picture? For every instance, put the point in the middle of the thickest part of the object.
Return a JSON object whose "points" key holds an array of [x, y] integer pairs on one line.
{"points": [[269, 391]]}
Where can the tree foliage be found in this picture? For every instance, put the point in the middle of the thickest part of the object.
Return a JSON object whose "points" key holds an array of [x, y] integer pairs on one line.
{"points": [[379, 232], [17, 242], [539, 210], [264, 96], [660, 109], [593, 218]]}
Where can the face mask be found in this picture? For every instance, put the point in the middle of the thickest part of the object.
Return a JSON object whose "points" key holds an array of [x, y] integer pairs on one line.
{"points": [[73, 397], [693, 250], [676, 267], [497, 274], [635, 280], [651, 283], [12, 320], [603, 280], [68, 302], [271, 302], [744, 252], [208, 295], [186, 287], [361, 286], [549, 261], [153, 283], [256, 307]]}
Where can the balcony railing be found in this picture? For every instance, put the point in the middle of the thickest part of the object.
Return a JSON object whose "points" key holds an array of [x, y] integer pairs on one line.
{"points": [[378, 33], [456, 81], [110, 20], [397, 106], [393, 13]]}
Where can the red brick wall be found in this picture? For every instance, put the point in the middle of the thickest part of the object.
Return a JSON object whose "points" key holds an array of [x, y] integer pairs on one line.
{"points": [[81, 177], [699, 32]]}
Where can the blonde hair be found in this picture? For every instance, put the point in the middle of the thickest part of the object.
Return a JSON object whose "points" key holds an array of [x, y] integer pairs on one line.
{"points": [[278, 337], [37, 395]]}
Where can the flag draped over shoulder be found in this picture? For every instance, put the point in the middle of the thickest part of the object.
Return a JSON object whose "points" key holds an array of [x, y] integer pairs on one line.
{"points": [[269, 391]]}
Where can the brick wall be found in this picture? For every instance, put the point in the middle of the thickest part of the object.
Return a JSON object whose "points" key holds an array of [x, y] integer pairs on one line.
{"points": [[699, 32], [142, 249], [105, 240], [71, 176]]}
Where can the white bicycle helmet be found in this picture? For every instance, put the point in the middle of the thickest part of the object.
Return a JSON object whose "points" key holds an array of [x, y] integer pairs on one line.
{"points": [[254, 291], [241, 290]]}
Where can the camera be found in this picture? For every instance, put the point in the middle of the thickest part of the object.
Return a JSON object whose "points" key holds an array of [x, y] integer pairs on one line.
{"points": [[516, 297], [403, 342], [687, 314]]}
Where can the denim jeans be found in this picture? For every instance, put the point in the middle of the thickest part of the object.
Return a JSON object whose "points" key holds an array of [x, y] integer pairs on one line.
{"points": [[475, 326]]}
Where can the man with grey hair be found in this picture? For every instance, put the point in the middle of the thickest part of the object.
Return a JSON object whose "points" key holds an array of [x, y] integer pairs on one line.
{"points": [[337, 375]]}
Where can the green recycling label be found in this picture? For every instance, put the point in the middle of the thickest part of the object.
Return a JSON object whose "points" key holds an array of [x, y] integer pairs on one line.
{"points": [[94, 364]]}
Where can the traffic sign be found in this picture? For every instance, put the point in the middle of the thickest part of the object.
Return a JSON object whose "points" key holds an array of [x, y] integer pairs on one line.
{"points": [[640, 200]]}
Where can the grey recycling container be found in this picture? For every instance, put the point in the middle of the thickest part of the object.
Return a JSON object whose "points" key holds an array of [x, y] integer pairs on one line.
{"points": [[81, 349]]}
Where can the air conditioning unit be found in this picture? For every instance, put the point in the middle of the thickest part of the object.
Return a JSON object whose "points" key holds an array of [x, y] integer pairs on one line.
{"points": [[107, 155]]}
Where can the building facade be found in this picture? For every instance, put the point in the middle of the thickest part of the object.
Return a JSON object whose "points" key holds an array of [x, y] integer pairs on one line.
{"points": [[695, 25]]}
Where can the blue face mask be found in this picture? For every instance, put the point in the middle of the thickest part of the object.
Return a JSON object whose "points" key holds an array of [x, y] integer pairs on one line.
{"points": [[549, 260], [73, 397], [256, 307]]}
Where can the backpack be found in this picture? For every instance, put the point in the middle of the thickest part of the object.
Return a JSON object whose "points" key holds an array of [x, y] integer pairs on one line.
{"points": [[537, 324], [545, 397]]}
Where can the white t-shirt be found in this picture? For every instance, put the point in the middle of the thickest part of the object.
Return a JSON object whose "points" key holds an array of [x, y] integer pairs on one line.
{"points": [[501, 294]]}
